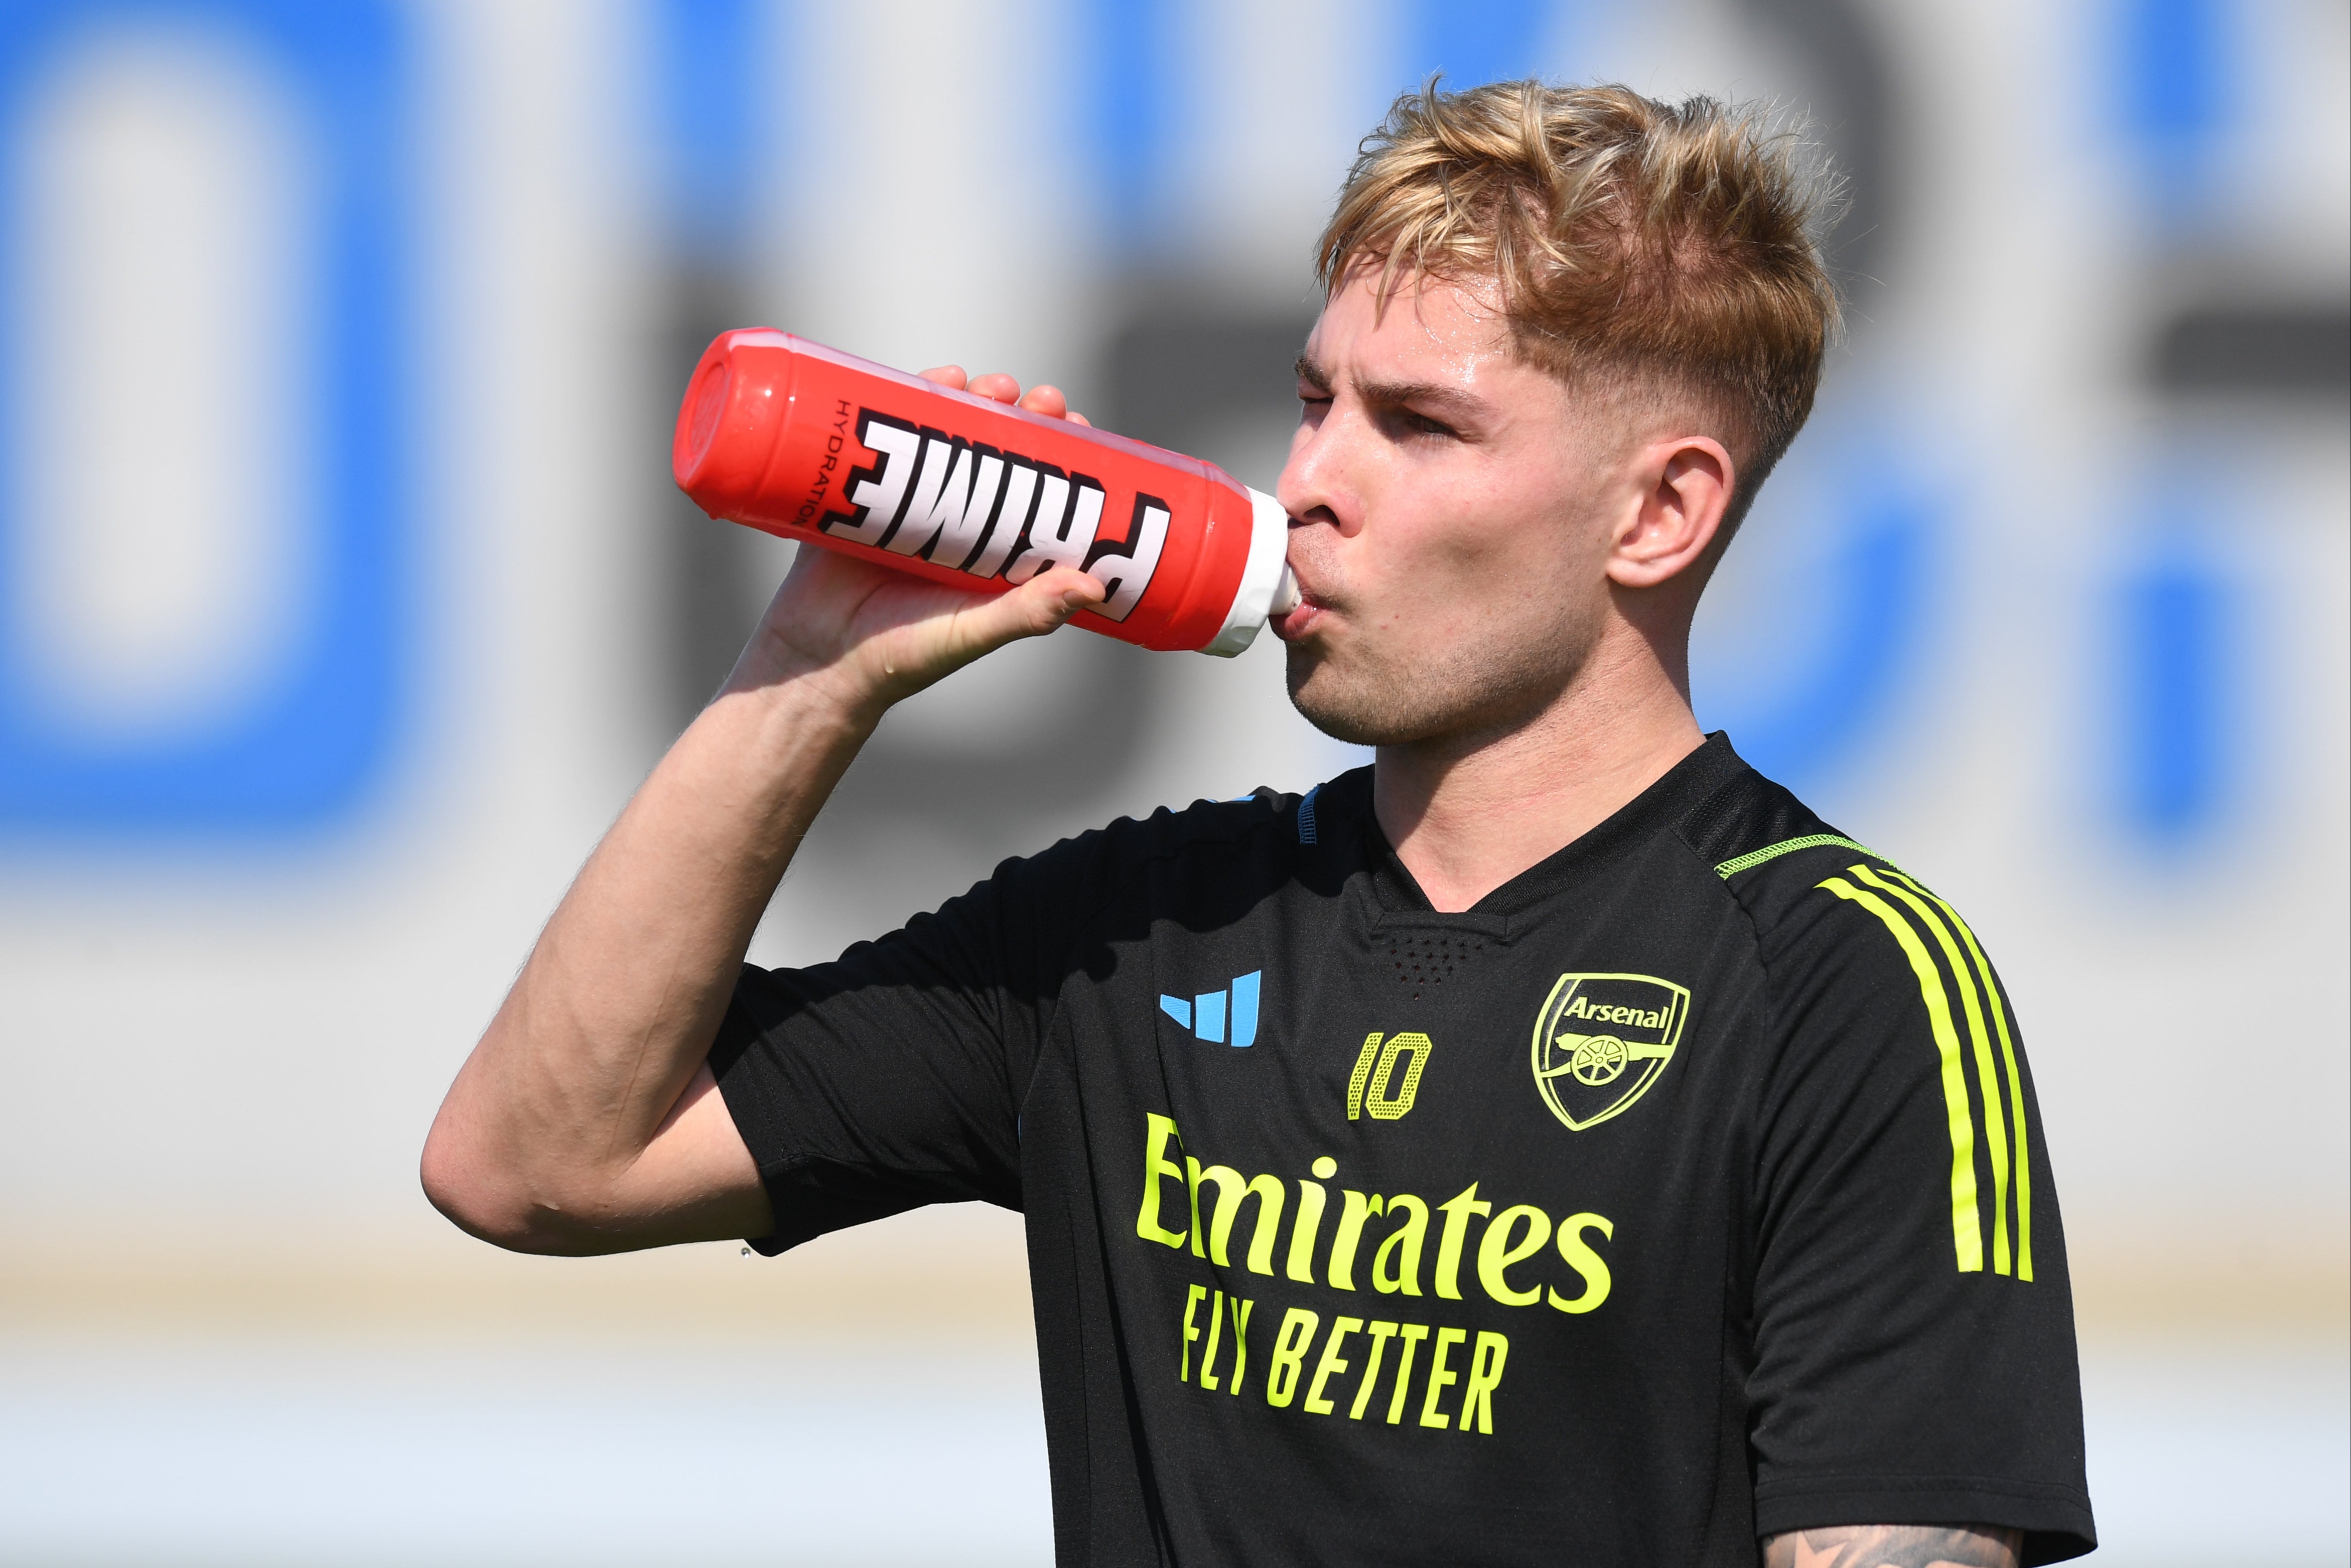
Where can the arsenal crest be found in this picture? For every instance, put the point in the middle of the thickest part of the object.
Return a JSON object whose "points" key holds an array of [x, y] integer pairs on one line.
{"points": [[1602, 1039]]}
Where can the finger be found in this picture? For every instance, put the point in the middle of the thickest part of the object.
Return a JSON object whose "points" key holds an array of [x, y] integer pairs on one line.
{"points": [[1053, 404], [1046, 601], [1035, 608], [998, 385], [946, 376], [1077, 590], [1048, 400]]}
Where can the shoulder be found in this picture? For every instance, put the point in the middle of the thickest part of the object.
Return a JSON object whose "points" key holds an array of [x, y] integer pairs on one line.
{"points": [[1763, 842], [1262, 819], [1262, 830], [1879, 989], [1826, 907]]}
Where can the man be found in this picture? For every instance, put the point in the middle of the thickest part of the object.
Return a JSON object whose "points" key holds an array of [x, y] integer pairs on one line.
{"points": [[1551, 1143]]}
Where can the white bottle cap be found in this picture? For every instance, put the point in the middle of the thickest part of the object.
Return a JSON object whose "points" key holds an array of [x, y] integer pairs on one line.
{"points": [[1266, 588], [1285, 597]]}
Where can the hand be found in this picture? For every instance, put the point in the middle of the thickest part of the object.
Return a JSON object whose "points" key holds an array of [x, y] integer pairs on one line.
{"points": [[871, 636], [1042, 398]]}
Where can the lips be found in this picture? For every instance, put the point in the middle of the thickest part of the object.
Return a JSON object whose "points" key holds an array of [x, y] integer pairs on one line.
{"points": [[1302, 620], [1314, 605]]}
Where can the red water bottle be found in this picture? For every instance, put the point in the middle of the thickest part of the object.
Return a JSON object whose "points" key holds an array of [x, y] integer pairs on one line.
{"points": [[811, 444]]}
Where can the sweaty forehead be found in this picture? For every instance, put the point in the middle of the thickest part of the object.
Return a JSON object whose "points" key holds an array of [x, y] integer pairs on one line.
{"points": [[1441, 333], [1426, 329]]}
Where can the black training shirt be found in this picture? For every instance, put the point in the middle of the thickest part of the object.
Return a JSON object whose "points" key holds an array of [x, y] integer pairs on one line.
{"points": [[1687, 1189]]}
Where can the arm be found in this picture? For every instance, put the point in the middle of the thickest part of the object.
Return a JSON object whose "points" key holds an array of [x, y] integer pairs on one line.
{"points": [[1895, 1546], [587, 1119]]}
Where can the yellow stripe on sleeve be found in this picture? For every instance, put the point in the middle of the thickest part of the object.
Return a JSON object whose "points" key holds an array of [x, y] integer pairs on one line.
{"points": [[1754, 858], [1966, 1223], [2015, 1082], [1987, 1077]]}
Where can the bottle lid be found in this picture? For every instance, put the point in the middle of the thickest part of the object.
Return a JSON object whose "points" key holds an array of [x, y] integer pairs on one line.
{"points": [[1265, 578], [1285, 597]]}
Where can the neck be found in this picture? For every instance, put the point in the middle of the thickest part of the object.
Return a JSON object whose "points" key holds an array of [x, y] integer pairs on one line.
{"points": [[1468, 812]]}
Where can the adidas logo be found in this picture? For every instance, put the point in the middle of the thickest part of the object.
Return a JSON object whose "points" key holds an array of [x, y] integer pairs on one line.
{"points": [[1207, 1014]]}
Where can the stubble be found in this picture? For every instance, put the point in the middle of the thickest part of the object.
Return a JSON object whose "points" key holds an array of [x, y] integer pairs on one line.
{"points": [[1403, 691]]}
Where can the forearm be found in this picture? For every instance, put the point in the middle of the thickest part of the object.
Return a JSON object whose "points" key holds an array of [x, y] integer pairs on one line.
{"points": [[585, 1120], [616, 1008], [1895, 1546]]}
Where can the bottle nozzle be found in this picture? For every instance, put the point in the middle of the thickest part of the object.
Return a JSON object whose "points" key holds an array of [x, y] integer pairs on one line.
{"points": [[1285, 597]]}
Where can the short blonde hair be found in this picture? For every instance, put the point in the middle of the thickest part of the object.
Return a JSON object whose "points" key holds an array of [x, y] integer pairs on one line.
{"points": [[1631, 240]]}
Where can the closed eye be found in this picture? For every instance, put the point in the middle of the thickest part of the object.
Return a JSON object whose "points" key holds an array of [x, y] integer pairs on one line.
{"points": [[1314, 385], [1405, 409], [1411, 422]]}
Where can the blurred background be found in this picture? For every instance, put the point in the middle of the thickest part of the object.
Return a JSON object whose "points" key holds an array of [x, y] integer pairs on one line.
{"points": [[344, 598]]}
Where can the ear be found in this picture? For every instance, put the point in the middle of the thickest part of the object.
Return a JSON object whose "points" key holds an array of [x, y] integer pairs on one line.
{"points": [[1684, 489]]}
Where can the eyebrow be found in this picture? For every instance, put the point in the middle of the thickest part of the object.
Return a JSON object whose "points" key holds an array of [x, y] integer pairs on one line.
{"points": [[1430, 396]]}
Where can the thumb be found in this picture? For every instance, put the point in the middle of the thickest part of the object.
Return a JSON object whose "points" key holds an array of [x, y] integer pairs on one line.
{"points": [[1050, 598], [1036, 607]]}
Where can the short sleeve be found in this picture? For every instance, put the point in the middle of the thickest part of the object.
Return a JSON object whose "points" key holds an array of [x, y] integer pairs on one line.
{"points": [[894, 1076], [1914, 1337]]}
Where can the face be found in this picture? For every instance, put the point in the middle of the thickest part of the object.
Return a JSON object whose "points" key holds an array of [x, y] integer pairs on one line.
{"points": [[1454, 512]]}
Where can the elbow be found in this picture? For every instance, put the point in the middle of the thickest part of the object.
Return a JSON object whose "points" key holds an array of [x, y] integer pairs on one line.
{"points": [[488, 1200], [464, 1188]]}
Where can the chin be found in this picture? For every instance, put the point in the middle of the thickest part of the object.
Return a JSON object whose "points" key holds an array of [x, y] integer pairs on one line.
{"points": [[1427, 698], [1356, 729], [1357, 707]]}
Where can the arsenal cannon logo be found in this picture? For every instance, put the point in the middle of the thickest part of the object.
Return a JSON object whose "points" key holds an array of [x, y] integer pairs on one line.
{"points": [[1602, 1039]]}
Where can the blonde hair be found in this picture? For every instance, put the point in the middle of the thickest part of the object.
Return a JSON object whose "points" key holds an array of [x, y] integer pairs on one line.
{"points": [[1670, 247]]}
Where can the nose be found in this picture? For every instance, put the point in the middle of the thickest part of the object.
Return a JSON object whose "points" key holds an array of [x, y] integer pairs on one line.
{"points": [[1313, 486]]}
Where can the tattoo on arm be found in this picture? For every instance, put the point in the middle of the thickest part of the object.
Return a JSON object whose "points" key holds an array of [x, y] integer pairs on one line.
{"points": [[1896, 1546]]}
